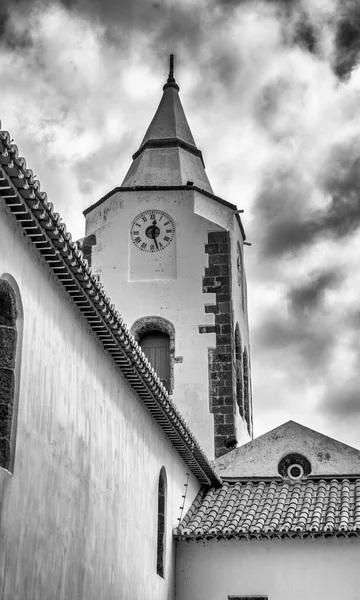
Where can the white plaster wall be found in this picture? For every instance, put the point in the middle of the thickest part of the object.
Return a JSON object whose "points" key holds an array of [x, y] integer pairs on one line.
{"points": [[281, 570], [179, 299], [78, 516], [261, 457]]}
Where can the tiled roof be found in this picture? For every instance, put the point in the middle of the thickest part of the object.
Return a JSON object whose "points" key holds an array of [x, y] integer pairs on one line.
{"points": [[274, 509], [20, 191]]}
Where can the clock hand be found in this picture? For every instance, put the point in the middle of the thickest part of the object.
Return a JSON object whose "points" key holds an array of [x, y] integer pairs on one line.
{"points": [[153, 231]]}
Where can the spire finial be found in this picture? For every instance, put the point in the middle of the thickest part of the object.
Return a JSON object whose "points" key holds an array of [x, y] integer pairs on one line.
{"points": [[171, 70], [171, 79]]}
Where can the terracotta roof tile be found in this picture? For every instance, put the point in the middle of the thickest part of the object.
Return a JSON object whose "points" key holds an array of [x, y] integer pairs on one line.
{"points": [[277, 508]]}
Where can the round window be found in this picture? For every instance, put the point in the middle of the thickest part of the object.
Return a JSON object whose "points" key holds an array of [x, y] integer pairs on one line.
{"points": [[295, 471], [294, 466]]}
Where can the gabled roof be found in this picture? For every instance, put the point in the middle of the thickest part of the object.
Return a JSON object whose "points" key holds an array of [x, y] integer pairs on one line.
{"points": [[42, 225], [274, 509], [259, 498], [168, 154], [260, 457]]}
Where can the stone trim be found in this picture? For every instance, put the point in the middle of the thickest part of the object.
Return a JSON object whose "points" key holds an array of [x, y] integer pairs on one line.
{"points": [[222, 378], [154, 323], [8, 342], [169, 143]]}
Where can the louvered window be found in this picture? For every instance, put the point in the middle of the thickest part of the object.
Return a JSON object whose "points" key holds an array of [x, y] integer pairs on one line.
{"points": [[156, 347]]}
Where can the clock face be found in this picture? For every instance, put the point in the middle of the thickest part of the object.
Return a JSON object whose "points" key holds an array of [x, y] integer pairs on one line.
{"points": [[152, 230]]}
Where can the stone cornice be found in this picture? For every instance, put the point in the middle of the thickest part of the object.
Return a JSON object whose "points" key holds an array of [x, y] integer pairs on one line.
{"points": [[161, 188], [170, 143]]}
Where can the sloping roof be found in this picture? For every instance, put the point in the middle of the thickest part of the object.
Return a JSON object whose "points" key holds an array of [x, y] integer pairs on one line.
{"points": [[42, 225], [260, 457], [169, 120], [168, 154], [274, 509]]}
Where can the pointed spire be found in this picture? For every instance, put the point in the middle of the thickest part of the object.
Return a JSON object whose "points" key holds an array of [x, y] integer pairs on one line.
{"points": [[168, 154]]}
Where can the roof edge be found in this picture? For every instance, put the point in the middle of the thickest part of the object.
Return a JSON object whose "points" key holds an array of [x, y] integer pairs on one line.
{"points": [[31, 208], [278, 535], [169, 143], [149, 188]]}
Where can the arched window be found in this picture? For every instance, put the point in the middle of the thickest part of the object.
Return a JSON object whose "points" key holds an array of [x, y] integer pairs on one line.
{"points": [[156, 336], [156, 347], [239, 371], [9, 356], [247, 392], [161, 526]]}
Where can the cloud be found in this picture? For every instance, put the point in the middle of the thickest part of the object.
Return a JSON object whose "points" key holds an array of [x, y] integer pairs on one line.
{"points": [[343, 401], [309, 297], [272, 93], [347, 37]]}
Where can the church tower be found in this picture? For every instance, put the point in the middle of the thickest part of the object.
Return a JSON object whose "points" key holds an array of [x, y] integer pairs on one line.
{"points": [[169, 253]]}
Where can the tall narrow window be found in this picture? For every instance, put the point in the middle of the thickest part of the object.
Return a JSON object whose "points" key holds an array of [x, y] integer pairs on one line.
{"points": [[161, 522], [239, 371], [156, 346], [247, 392], [8, 341]]}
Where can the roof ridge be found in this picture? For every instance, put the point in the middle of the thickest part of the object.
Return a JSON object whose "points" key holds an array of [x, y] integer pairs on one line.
{"points": [[31, 207]]}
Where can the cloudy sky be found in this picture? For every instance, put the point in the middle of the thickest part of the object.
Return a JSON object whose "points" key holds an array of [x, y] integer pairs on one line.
{"points": [[272, 93]]}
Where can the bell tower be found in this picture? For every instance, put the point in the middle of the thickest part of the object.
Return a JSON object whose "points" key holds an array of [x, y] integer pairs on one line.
{"points": [[169, 253]]}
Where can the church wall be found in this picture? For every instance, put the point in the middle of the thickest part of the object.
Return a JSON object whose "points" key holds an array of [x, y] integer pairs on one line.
{"points": [[240, 308], [178, 298], [78, 515], [325, 569]]}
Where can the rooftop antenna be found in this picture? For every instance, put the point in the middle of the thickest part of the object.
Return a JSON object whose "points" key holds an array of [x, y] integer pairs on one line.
{"points": [[171, 79]]}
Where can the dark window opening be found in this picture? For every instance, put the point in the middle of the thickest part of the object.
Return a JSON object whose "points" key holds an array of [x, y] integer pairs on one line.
{"points": [[8, 341], [156, 347], [161, 523], [239, 372], [247, 392], [247, 597]]}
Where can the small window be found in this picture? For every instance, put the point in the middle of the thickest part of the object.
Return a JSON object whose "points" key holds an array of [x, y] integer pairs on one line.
{"points": [[161, 525], [247, 597], [295, 471], [156, 347], [295, 466]]}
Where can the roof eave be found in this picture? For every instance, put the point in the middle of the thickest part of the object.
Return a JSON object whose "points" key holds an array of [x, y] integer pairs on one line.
{"points": [[21, 193], [271, 535], [149, 188]]}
